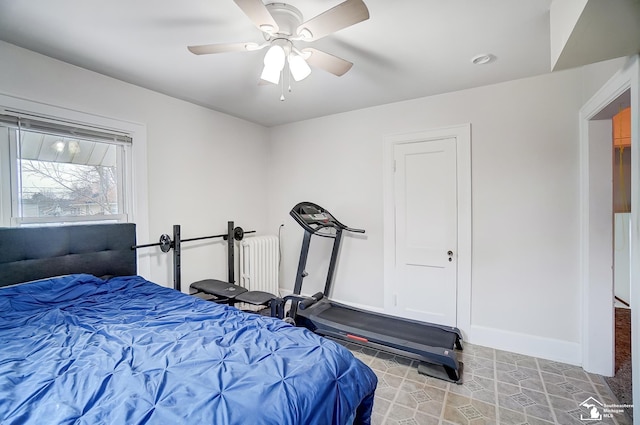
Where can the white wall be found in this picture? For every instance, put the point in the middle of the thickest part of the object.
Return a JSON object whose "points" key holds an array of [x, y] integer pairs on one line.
{"points": [[204, 167], [524, 142]]}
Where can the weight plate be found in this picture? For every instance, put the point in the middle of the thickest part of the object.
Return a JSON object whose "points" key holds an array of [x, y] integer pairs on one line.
{"points": [[165, 242]]}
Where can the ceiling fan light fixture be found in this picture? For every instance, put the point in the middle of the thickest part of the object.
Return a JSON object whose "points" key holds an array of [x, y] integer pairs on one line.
{"points": [[270, 75], [274, 61], [299, 67], [275, 57], [282, 25]]}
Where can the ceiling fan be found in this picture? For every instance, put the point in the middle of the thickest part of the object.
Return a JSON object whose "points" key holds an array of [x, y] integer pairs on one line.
{"points": [[282, 27]]}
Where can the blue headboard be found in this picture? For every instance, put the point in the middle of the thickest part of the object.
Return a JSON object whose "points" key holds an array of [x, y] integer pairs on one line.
{"points": [[31, 253]]}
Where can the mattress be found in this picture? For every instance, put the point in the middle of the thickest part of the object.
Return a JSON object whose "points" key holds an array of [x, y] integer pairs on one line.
{"points": [[80, 350]]}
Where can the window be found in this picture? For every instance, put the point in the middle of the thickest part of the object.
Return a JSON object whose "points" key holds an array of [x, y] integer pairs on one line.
{"points": [[59, 173]]}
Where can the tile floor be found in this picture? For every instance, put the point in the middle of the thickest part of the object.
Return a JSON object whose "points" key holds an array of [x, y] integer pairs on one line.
{"points": [[498, 388]]}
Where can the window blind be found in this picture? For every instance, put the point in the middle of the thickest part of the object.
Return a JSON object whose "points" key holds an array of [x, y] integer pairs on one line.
{"points": [[62, 128]]}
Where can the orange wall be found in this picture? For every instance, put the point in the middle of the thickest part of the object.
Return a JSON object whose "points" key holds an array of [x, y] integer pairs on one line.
{"points": [[622, 161]]}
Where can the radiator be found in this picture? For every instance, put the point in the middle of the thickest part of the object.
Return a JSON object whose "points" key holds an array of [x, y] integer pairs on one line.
{"points": [[259, 263]]}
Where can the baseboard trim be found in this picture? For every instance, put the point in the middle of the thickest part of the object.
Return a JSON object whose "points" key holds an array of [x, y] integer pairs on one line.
{"points": [[529, 345]]}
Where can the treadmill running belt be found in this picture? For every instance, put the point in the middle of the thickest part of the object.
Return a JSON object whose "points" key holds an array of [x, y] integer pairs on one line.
{"points": [[410, 331]]}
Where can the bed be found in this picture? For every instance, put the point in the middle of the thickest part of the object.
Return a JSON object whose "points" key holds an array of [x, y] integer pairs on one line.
{"points": [[84, 340]]}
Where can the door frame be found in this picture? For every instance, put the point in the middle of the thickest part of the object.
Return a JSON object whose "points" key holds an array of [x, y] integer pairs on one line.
{"points": [[597, 300], [462, 134]]}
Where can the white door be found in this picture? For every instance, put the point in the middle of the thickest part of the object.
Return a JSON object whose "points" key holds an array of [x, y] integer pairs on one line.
{"points": [[426, 230]]}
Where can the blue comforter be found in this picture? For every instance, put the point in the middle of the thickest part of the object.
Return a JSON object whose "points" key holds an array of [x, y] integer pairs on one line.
{"points": [[80, 350]]}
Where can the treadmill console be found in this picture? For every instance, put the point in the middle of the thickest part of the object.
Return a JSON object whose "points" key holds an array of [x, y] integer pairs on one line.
{"points": [[313, 218]]}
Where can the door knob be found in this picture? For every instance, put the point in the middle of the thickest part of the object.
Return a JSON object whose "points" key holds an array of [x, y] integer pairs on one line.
{"points": [[450, 254]]}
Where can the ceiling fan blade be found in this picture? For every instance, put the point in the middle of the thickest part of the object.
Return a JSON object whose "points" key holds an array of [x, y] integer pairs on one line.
{"points": [[259, 15], [326, 61], [208, 49], [339, 17]]}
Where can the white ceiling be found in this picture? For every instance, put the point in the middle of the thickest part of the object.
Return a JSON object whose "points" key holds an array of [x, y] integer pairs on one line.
{"points": [[407, 49]]}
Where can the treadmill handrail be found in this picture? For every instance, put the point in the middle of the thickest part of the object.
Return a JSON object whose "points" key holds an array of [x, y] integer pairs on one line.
{"points": [[349, 229]]}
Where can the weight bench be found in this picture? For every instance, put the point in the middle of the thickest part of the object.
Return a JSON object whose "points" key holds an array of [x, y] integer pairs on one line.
{"points": [[230, 294]]}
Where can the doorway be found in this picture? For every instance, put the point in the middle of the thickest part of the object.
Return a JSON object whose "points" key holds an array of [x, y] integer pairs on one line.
{"points": [[615, 120], [596, 223]]}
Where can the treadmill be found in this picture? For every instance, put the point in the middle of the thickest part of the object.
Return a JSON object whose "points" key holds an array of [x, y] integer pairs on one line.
{"points": [[431, 344]]}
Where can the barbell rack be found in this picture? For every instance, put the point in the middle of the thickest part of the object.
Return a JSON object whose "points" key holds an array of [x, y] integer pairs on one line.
{"points": [[166, 244]]}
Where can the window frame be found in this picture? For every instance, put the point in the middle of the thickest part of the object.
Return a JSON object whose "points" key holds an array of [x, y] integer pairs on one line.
{"points": [[123, 169]]}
